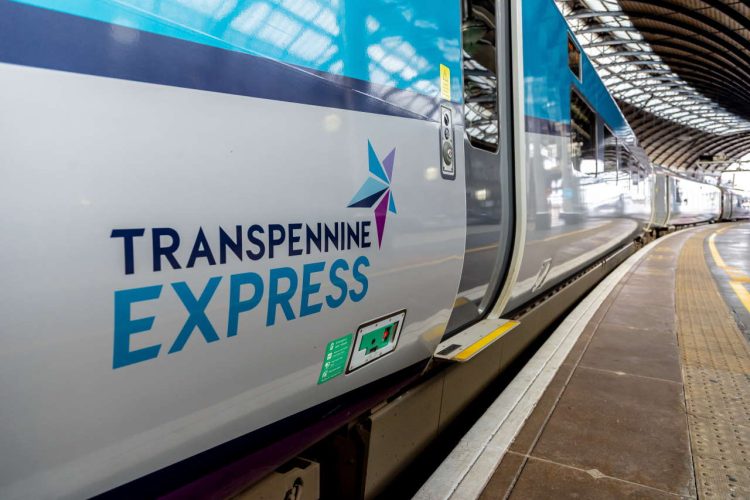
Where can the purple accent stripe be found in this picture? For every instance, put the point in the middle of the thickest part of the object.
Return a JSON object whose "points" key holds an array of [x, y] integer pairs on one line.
{"points": [[381, 213], [388, 163]]}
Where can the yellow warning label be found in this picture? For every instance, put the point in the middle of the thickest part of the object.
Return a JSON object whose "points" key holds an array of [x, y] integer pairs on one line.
{"points": [[445, 82]]}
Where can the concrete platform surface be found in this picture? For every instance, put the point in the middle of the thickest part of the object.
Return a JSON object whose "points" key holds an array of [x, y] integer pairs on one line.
{"points": [[653, 400]]}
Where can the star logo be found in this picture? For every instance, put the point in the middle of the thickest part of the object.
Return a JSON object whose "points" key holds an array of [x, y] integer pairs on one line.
{"points": [[376, 191]]}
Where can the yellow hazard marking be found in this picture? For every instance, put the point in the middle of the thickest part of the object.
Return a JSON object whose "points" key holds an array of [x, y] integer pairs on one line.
{"points": [[445, 82], [736, 277], [485, 341], [715, 363], [715, 252], [742, 293], [734, 273]]}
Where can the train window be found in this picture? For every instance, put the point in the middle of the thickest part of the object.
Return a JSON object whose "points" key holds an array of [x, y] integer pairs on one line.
{"points": [[582, 135], [611, 155], [574, 58], [480, 74], [624, 166]]}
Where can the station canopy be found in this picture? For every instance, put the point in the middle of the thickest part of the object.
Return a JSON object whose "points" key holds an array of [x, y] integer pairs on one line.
{"points": [[680, 71]]}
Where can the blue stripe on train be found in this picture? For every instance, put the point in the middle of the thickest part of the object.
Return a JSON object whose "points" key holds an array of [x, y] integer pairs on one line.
{"points": [[548, 81], [395, 43]]}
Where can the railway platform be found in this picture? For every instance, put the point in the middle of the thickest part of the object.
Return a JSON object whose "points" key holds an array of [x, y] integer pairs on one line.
{"points": [[643, 391]]}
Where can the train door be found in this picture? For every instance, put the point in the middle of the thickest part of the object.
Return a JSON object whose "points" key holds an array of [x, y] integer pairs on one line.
{"points": [[661, 200], [726, 204], [489, 197]]}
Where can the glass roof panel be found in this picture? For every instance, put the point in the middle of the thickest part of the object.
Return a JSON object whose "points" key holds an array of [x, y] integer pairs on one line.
{"points": [[623, 57]]}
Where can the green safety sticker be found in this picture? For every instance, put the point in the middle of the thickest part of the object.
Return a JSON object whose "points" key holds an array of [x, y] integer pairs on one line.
{"points": [[335, 357]]}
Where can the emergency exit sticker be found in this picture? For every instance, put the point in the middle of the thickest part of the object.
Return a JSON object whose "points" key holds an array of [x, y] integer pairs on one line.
{"points": [[445, 82], [335, 357]]}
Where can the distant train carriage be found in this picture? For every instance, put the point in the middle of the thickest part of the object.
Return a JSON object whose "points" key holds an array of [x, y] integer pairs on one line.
{"points": [[681, 201], [735, 204]]}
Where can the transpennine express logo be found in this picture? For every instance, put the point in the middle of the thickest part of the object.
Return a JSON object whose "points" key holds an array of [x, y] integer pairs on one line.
{"points": [[376, 191], [269, 294]]}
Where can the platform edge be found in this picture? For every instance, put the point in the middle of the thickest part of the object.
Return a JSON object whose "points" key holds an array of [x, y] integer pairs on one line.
{"points": [[469, 467]]}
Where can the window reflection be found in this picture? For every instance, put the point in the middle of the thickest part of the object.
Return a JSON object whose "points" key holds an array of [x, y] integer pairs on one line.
{"points": [[480, 74], [574, 57], [611, 155], [313, 33], [582, 135], [624, 166]]}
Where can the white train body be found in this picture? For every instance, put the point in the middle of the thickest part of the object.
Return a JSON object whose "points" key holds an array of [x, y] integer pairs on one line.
{"points": [[218, 215]]}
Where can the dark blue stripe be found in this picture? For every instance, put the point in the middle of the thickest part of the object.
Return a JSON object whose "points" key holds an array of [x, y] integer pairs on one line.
{"points": [[369, 201], [33, 36]]}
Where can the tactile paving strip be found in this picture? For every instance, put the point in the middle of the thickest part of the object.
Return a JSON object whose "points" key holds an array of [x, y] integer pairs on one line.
{"points": [[716, 372]]}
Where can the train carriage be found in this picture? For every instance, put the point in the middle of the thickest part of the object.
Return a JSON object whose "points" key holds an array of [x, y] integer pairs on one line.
{"points": [[226, 219]]}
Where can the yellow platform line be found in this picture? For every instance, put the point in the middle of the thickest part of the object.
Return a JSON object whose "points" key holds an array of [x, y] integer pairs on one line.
{"points": [[736, 277], [715, 251], [715, 363], [485, 341], [742, 293]]}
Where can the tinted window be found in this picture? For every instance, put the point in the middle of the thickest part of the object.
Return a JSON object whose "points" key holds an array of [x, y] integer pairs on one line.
{"points": [[480, 74], [582, 135], [574, 57], [624, 166], [610, 152]]}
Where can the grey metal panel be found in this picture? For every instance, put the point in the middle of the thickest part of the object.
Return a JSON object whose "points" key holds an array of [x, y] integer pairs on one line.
{"points": [[464, 381], [399, 431], [572, 218], [301, 477]]}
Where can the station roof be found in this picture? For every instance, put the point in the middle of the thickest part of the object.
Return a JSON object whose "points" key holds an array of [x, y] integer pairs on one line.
{"points": [[680, 70]]}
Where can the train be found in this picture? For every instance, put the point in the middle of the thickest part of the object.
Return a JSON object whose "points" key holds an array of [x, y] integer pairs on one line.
{"points": [[235, 231]]}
